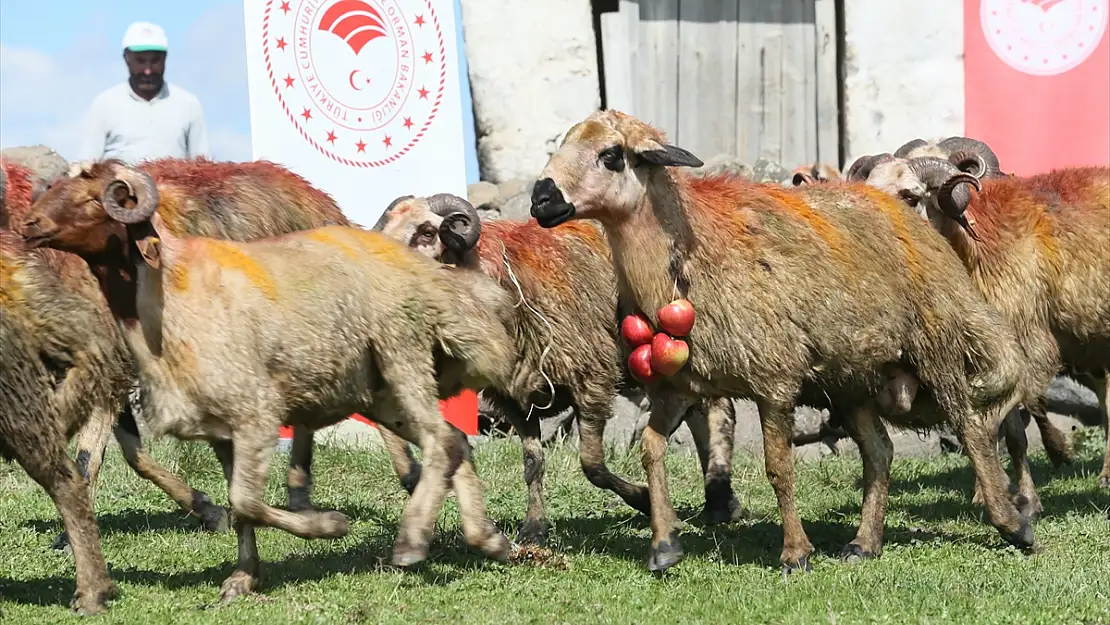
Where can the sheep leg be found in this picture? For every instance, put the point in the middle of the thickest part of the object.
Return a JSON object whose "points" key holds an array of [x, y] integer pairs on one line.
{"points": [[58, 475], [713, 430], [253, 447], [1101, 388], [666, 413], [92, 439], [195, 502], [247, 574], [1012, 430], [1017, 444], [877, 451], [776, 422], [978, 437], [593, 414], [1056, 443], [298, 479], [213, 518], [412, 383], [404, 462], [478, 529], [533, 530]]}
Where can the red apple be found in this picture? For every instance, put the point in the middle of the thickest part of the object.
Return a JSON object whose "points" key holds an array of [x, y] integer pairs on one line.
{"points": [[668, 355], [676, 318], [636, 329], [639, 363]]}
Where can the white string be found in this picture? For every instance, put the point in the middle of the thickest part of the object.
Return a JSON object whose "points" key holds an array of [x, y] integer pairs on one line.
{"points": [[674, 290], [551, 330]]}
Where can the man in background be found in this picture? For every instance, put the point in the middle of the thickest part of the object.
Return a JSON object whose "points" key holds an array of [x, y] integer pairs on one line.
{"points": [[145, 117]]}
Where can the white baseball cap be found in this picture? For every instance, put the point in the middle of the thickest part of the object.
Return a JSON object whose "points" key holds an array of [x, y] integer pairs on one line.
{"points": [[144, 36]]}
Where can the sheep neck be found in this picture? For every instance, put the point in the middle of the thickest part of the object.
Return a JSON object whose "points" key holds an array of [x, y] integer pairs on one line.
{"points": [[651, 246]]}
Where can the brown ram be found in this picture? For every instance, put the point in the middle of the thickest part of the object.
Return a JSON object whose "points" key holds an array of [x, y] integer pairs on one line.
{"points": [[231, 340], [1038, 248], [566, 276]]}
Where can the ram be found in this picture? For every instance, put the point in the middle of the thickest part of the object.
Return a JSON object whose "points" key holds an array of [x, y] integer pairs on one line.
{"points": [[60, 362], [232, 340], [566, 326], [1038, 249], [900, 179], [805, 295], [107, 400]]}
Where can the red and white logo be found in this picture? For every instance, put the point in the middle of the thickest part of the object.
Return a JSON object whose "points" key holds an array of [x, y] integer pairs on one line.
{"points": [[361, 80], [1043, 37]]}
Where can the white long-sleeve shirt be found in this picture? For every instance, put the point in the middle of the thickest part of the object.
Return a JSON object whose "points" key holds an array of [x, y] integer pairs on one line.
{"points": [[122, 125]]}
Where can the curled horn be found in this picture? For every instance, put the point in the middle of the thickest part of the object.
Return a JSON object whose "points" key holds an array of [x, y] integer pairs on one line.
{"points": [[861, 169], [139, 185], [909, 146], [384, 218], [952, 197], [461, 226], [802, 178], [963, 151]]}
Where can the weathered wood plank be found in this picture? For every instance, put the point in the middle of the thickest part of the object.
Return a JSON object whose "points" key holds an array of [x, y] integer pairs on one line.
{"points": [[828, 105], [749, 83], [809, 59], [798, 95], [707, 77], [619, 42], [772, 34], [657, 65]]}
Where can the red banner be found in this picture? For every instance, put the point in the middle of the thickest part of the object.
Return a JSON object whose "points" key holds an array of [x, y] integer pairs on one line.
{"points": [[460, 411], [1037, 81]]}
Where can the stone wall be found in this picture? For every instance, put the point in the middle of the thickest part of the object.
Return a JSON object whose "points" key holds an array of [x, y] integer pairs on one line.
{"points": [[533, 73]]}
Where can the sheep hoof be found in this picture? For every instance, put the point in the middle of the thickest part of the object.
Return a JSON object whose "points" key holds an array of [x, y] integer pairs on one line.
{"points": [[532, 532], [405, 555], [665, 554], [1023, 538], [801, 565], [215, 519], [716, 514], [854, 554], [61, 542], [90, 603], [240, 583], [331, 524], [1104, 482], [497, 547]]}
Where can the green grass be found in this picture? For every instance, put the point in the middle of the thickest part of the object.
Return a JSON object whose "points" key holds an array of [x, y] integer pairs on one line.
{"points": [[943, 562]]}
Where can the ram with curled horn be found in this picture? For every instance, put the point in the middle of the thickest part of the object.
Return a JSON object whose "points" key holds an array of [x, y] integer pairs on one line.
{"points": [[565, 326], [1039, 245], [404, 334], [198, 197]]}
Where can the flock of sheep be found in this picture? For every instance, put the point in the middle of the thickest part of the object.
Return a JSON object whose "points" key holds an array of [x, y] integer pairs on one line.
{"points": [[926, 290]]}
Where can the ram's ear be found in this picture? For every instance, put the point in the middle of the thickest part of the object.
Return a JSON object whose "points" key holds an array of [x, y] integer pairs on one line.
{"points": [[150, 248], [655, 153]]}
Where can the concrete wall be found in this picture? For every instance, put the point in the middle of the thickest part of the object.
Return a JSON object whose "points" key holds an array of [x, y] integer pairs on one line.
{"points": [[903, 73], [533, 73]]}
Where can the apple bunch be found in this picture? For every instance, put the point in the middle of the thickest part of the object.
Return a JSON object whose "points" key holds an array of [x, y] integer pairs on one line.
{"points": [[654, 353]]}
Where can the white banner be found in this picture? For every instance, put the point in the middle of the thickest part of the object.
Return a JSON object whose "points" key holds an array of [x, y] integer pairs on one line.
{"points": [[361, 97]]}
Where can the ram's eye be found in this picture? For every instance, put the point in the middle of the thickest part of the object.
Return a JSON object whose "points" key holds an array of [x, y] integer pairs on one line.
{"points": [[909, 197], [612, 157], [427, 231]]}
